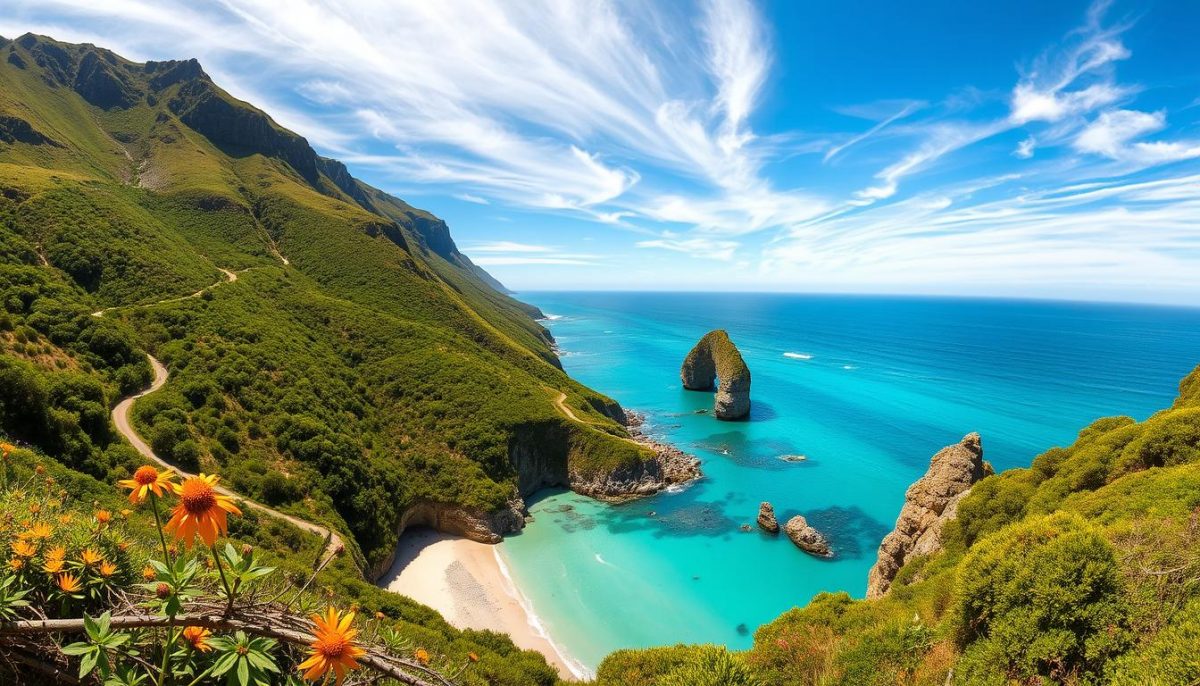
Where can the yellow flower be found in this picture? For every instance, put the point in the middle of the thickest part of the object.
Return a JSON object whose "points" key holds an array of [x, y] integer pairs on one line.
{"points": [[201, 511], [148, 573], [473, 657], [65, 518], [198, 638], [40, 469], [125, 513], [90, 557], [23, 548], [103, 517], [35, 508], [16, 564], [147, 480], [422, 656], [334, 648], [6, 449], [58, 553], [53, 566], [107, 568], [69, 583], [41, 530]]}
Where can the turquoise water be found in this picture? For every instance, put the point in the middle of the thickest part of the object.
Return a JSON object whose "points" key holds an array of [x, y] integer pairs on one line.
{"points": [[872, 387]]}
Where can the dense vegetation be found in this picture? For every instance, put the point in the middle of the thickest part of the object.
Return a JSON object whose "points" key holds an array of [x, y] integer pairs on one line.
{"points": [[1083, 568], [47, 507], [360, 364]]}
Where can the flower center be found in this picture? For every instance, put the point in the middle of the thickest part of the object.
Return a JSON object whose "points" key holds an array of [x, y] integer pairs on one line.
{"points": [[333, 647], [145, 475], [198, 497]]}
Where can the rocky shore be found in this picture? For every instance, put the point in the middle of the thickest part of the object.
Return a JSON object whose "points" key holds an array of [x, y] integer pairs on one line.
{"points": [[670, 467]]}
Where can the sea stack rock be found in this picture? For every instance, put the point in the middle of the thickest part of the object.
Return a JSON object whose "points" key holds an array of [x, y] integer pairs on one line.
{"points": [[716, 358], [807, 538], [928, 505], [766, 518]]}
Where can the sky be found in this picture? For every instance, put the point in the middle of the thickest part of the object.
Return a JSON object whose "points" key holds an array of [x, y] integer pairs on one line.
{"points": [[1020, 148]]}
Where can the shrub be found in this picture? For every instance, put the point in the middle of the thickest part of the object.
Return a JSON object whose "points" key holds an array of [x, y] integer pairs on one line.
{"points": [[1040, 599]]}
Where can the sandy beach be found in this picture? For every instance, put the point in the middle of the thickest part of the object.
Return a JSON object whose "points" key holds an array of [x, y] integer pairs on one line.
{"points": [[464, 581]]}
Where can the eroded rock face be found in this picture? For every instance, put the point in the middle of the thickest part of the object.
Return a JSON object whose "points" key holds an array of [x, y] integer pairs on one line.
{"points": [[716, 358], [929, 503], [485, 527], [807, 538], [766, 518]]}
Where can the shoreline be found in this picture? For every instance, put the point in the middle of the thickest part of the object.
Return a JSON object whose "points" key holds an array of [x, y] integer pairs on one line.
{"points": [[469, 584]]}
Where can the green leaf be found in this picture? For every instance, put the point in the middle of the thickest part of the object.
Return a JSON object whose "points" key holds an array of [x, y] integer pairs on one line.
{"points": [[76, 649], [243, 672]]}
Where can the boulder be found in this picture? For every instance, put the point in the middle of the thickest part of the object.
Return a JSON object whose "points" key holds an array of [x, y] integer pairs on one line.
{"points": [[807, 538], [716, 359], [929, 503], [766, 518]]}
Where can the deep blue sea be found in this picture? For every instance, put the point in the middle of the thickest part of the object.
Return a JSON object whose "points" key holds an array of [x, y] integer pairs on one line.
{"points": [[866, 388]]}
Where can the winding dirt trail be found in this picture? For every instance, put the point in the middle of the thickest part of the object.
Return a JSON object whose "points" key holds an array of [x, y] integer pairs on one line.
{"points": [[120, 417]]}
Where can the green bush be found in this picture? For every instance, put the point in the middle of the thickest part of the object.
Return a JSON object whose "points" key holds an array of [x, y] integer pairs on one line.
{"points": [[1042, 599]]}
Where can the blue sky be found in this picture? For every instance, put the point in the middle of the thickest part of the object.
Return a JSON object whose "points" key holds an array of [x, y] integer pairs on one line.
{"points": [[1044, 149]]}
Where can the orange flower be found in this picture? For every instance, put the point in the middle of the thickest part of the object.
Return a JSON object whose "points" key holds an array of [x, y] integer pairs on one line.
{"points": [[473, 657], [53, 566], [35, 508], [103, 517], [147, 480], [334, 648], [16, 564], [197, 637], [69, 583], [90, 557], [41, 530], [107, 569], [201, 511], [23, 548], [65, 519], [422, 656], [40, 469], [6, 449], [148, 573], [59, 553]]}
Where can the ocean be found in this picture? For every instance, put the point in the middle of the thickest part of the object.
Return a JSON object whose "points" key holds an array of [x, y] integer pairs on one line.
{"points": [[866, 389]]}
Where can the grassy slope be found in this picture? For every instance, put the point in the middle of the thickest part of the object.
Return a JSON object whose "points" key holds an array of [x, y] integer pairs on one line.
{"points": [[1083, 568], [377, 369]]}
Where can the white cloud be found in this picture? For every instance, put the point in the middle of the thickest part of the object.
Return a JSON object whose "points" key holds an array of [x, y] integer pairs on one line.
{"points": [[1113, 135], [705, 248], [1025, 148], [507, 246], [467, 197]]}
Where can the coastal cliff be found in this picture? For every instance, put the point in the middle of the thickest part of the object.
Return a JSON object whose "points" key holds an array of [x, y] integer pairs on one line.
{"points": [[929, 503], [716, 358]]}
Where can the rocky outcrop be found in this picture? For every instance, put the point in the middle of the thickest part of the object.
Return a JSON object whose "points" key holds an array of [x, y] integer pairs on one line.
{"points": [[766, 518], [807, 538], [670, 466], [485, 527], [716, 359], [928, 505]]}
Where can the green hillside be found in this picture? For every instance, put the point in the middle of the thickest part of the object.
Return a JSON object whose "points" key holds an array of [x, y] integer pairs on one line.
{"points": [[359, 365]]}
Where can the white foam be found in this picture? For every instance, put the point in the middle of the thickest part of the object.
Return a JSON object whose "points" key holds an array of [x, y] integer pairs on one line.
{"points": [[551, 317], [798, 356], [849, 367], [577, 668], [603, 561]]}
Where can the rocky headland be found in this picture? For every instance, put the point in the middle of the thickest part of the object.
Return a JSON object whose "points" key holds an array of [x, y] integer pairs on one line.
{"points": [[715, 359], [929, 503]]}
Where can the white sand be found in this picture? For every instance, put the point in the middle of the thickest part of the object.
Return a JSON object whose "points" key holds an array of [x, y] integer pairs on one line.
{"points": [[463, 580]]}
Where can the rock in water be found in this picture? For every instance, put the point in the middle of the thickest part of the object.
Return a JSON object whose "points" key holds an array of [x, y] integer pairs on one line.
{"points": [[929, 504], [716, 358], [807, 538], [766, 518]]}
